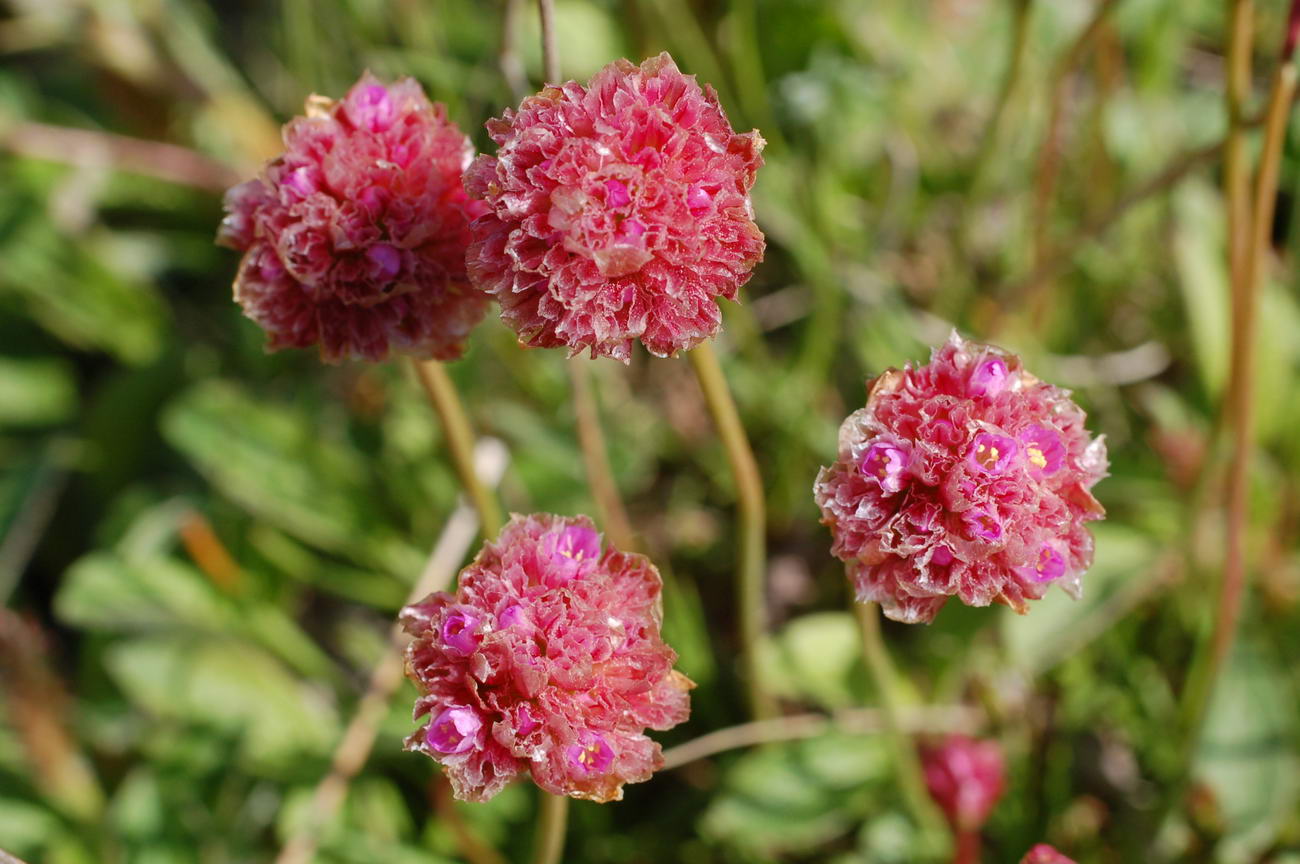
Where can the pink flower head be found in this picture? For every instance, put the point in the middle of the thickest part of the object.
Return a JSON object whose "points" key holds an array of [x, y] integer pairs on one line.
{"points": [[966, 778], [355, 238], [1044, 854], [985, 490], [618, 211], [547, 659]]}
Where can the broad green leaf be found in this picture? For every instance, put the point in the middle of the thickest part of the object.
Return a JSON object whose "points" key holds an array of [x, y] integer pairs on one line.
{"points": [[230, 685], [36, 392], [815, 658], [104, 592], [796, 796], [1248, 754], [271, 460]]}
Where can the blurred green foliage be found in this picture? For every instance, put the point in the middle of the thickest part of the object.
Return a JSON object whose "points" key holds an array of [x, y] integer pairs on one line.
{"points": [[133, 396]]}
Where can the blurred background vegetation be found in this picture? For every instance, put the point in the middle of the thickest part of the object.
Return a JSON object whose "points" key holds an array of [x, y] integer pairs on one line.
{"points": [[201, 546]]}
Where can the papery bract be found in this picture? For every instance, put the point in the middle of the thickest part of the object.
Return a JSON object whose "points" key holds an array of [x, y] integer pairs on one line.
{"points": [[964, 477], [547, 659], [965, 777], [355, 238], [619, 211]]}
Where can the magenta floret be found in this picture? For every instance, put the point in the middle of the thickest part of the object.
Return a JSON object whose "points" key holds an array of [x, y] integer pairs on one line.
{"points": [[547, 659], [965, 777], [1044, 854], [619, 211], [965, 477], [355, 238]]}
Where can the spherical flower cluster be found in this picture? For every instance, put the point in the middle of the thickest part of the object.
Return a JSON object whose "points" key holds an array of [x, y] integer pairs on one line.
{"points": [[619, 211], [547, 659], [966, 477], [1044, 854], [355, 238], [966, 778]]}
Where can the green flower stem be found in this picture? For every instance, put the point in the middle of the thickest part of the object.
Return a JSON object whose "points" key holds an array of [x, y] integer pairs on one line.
{"points": [[911, 777], [595, 457], [552, 820], [751, 563], [442, 394]]}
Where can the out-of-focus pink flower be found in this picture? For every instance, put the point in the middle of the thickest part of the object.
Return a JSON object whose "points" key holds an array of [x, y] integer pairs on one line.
{"points": [[965, 477], [966, 777], [619, 211], [355, 238], [547, 659], [1044, 854]]}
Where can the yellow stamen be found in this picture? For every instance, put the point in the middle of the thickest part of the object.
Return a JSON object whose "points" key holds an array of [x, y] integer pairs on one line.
{"points": [[1036, 456]]}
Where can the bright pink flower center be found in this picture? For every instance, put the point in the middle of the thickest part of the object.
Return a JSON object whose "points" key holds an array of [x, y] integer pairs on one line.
{"points": [[370, 108], [385, 261], [573, 550], [591, 754], [1044, 452], [885, 463], [460, 632], [992, 454], [982, 524], [989, 378], [301, 181], [455, 730], [1050, 564], [512, 616], [616, 194]]}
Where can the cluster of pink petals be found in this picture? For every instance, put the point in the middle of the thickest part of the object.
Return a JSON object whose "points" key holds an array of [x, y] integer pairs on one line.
{"points": [[1044, 854], [966, 777], [355, 238], [547, 659], [965, 477], [618, 211]]}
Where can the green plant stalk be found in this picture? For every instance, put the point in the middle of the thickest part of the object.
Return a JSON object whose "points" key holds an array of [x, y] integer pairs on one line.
{"points": [[1047, 170], [1240, 404], [910, 774], [552, 822], [595, 458], [751, 563], [442, 394]]}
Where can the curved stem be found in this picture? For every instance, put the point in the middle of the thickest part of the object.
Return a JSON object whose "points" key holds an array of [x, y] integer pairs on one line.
{"points": [[442, 394], [1240, 404], [797, 727], [751, 565], [550, 52], [552, 820], [1049, 156], [910, 774], [358, 739], [595, 457]]}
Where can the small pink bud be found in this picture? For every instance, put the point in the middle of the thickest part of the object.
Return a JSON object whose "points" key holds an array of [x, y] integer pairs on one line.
{"points": [[370, 108], [385, 261], [453, 731], [966, 777], [460, 631], [982, 524], [1044, 854], [989, 378], [616, 194]]}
